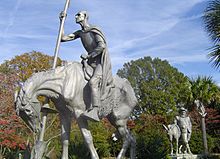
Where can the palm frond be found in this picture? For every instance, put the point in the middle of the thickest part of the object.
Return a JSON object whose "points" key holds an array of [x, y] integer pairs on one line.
{"points": [[212, 20], [214, 56]]}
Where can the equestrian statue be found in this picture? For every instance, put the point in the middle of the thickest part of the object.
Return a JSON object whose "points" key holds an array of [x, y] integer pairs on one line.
{"points": [[81, 91]]}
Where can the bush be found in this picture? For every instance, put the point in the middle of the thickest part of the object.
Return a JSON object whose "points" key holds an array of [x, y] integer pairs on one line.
{"points": [[77, 148], [196, 143], [101, 137], [152, 140]]}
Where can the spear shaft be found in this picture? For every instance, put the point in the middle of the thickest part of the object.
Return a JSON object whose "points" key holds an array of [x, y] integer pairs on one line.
{"points": [[60, 34]]}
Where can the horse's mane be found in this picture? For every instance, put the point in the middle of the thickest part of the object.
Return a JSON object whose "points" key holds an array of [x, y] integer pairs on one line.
{"points": [[48, 74], [38, 75]]}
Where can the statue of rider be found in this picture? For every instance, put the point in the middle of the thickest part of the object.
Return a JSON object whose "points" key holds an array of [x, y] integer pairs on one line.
{"points": [[97, 57], [185, 125]]}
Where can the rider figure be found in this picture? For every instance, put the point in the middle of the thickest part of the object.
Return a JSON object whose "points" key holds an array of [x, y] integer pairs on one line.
{"points": [[97, 57], [185, 125]]}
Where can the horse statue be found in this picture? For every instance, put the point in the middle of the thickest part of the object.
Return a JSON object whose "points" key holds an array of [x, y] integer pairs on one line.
{"points": [[67, 88], [173, 132]]}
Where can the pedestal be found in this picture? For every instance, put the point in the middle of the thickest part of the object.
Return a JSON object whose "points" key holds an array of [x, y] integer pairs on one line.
{"points": [[186, 156]]}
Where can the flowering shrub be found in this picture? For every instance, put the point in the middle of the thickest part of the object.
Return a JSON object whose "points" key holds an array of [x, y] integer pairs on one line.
{"points": [[13, 132]]}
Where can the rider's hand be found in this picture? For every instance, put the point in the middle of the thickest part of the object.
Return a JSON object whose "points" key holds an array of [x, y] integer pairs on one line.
{"points": [[84, 56], [62, 15]]}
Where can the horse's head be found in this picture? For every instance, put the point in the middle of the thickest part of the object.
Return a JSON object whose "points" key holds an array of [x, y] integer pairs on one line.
{"points": [[28, 108]]}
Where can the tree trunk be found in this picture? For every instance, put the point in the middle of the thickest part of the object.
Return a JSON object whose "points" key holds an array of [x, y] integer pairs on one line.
{"points": [[205, 145]]}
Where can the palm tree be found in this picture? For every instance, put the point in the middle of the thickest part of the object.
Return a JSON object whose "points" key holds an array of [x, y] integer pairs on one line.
{"points": [[212, 25], [204, 92]]}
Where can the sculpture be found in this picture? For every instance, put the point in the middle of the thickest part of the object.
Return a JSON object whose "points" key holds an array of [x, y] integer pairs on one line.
{"points": [[202, 112], [185, 125], [181, 131], [67, 88], [173, 132], [100, 79]]}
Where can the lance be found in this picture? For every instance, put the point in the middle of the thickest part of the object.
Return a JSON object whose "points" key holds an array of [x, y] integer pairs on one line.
{"points": [[60, 34]]}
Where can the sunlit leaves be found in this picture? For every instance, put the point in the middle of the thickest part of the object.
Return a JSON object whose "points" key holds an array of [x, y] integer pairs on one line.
{"points": [[158, 86], [28, 63]]}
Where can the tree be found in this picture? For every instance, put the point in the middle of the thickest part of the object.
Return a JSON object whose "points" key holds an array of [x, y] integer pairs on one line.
{"points": [[159, 87], [205, 92], [212, 26], [28, 63], [13, 72]]}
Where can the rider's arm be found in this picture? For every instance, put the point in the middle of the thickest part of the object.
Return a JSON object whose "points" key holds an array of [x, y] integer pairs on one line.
{"points": [[101, 45], [70, 37]]}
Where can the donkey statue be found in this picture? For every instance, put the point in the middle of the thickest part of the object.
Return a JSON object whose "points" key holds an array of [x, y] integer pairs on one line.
{"points": [[173, 132], [69, 91]]}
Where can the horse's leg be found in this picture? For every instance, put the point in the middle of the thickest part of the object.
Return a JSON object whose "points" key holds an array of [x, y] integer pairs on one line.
{"points": [[65, 134], [188, 148], [171, 144], [128, 138], [180, 149], [132, 140], [83, 125], [177, 145], [133, 147], [122, 129]]}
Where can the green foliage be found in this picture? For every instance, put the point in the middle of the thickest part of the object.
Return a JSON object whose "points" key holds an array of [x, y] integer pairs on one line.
{"points": [[5, 68], [205, 90], [101, 133], [115, 147], [212, 20], [214, 55], [196, 143], [212, 25], [151, 145], [214, 156], [101, 136], [216, 145], [8, 153], [77, 148], [158, 86], [152, 141]]}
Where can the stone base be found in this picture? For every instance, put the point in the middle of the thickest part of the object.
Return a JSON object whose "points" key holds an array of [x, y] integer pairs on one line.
{"points": [[186, 156]]}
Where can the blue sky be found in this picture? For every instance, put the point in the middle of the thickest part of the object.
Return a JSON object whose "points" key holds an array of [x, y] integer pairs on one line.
{"points": [[168, 29]]}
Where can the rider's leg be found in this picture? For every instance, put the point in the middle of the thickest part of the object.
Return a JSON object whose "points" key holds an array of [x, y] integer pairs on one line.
{"points": [[94, 83]]}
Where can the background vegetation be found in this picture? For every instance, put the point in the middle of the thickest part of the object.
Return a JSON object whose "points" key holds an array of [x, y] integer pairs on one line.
{"points": [[159, 87]]}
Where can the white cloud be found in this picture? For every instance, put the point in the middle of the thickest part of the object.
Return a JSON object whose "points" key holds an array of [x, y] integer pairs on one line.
{"points": [[185, 59], [133, 29], [12, 17]]}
